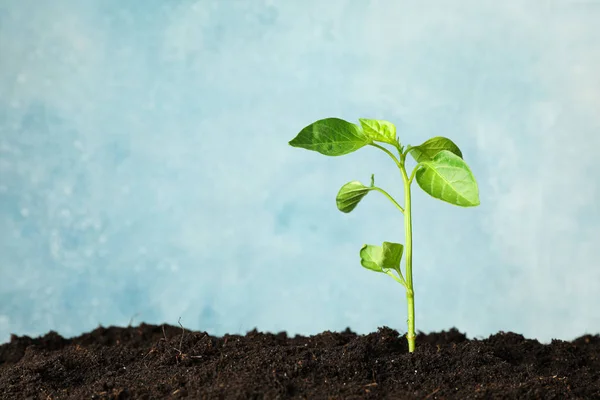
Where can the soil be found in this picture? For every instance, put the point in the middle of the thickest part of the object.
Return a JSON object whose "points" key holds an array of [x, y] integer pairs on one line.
{"points": [[166, 362]]}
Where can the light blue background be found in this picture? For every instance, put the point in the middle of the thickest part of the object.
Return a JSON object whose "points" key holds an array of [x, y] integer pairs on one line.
{"points": [[145, 170]]}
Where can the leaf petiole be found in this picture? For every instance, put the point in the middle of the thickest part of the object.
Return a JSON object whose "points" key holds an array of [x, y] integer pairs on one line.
{"points": [[413, 173], [390, 198], [400, 279], [389, 153]]}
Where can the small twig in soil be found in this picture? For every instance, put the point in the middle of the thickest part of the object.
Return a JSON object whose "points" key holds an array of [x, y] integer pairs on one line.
{"points": [[181, 355], [432, 393], [132, 318], [182, 334]]}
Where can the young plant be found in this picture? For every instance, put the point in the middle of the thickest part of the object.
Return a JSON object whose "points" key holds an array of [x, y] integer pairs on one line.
{"points": [[440, 171]]}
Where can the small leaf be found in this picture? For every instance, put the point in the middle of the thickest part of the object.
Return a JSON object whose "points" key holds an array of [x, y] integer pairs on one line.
{"points": [[351, 194], [381, 258], [447, 177], [379, 130], [430, 148], [331, 136]]}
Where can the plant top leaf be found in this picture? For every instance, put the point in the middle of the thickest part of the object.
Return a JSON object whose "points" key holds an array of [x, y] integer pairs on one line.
{"points": [[431, 147], [331, 137], [447, 177], [379, 130], [351, 194], [382, 258]]}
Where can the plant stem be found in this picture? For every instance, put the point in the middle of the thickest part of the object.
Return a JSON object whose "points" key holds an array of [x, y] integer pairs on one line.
{"points": [[410, 294]]}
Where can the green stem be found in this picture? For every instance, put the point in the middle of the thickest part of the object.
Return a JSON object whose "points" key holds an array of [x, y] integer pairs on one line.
{"points": [[410, 294], [390, 198]]}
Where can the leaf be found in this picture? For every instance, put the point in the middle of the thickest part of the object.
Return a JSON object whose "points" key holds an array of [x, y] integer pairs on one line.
{"points": [[379, 130], [351, 194], [381, 258], [431, 147], [331, 136], [447, 177]]}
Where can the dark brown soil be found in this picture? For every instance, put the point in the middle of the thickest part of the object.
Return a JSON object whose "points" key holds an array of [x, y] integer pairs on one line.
{"points": [[145, 363]]}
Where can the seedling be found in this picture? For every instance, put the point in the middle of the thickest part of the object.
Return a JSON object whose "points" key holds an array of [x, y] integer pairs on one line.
{"points": [[440, 171]]}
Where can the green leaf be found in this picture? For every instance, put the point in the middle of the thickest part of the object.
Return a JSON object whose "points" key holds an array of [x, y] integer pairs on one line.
{"points": [[447, 177], [431, 147], [379, 130], [381, 258], [332, 137], [351, 194]]}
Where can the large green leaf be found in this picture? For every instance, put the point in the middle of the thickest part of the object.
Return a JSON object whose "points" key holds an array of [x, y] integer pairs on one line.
{"points": [[381, 258], [332, 137], [447, 177], [379, 130], [350, 195], [431, 147]]}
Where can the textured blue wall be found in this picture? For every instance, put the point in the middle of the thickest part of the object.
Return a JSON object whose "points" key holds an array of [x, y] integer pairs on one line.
{"points": [[145, 171]]}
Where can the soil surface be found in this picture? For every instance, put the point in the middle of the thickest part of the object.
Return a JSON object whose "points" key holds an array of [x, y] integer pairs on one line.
{"points": [[166, 362]]}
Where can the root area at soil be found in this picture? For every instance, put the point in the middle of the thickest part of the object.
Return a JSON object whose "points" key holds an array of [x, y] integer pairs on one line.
{"points": [[166, 362]]}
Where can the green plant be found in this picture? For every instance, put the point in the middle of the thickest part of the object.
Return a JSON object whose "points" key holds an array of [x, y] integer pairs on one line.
{"points": [[440, 171]]}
